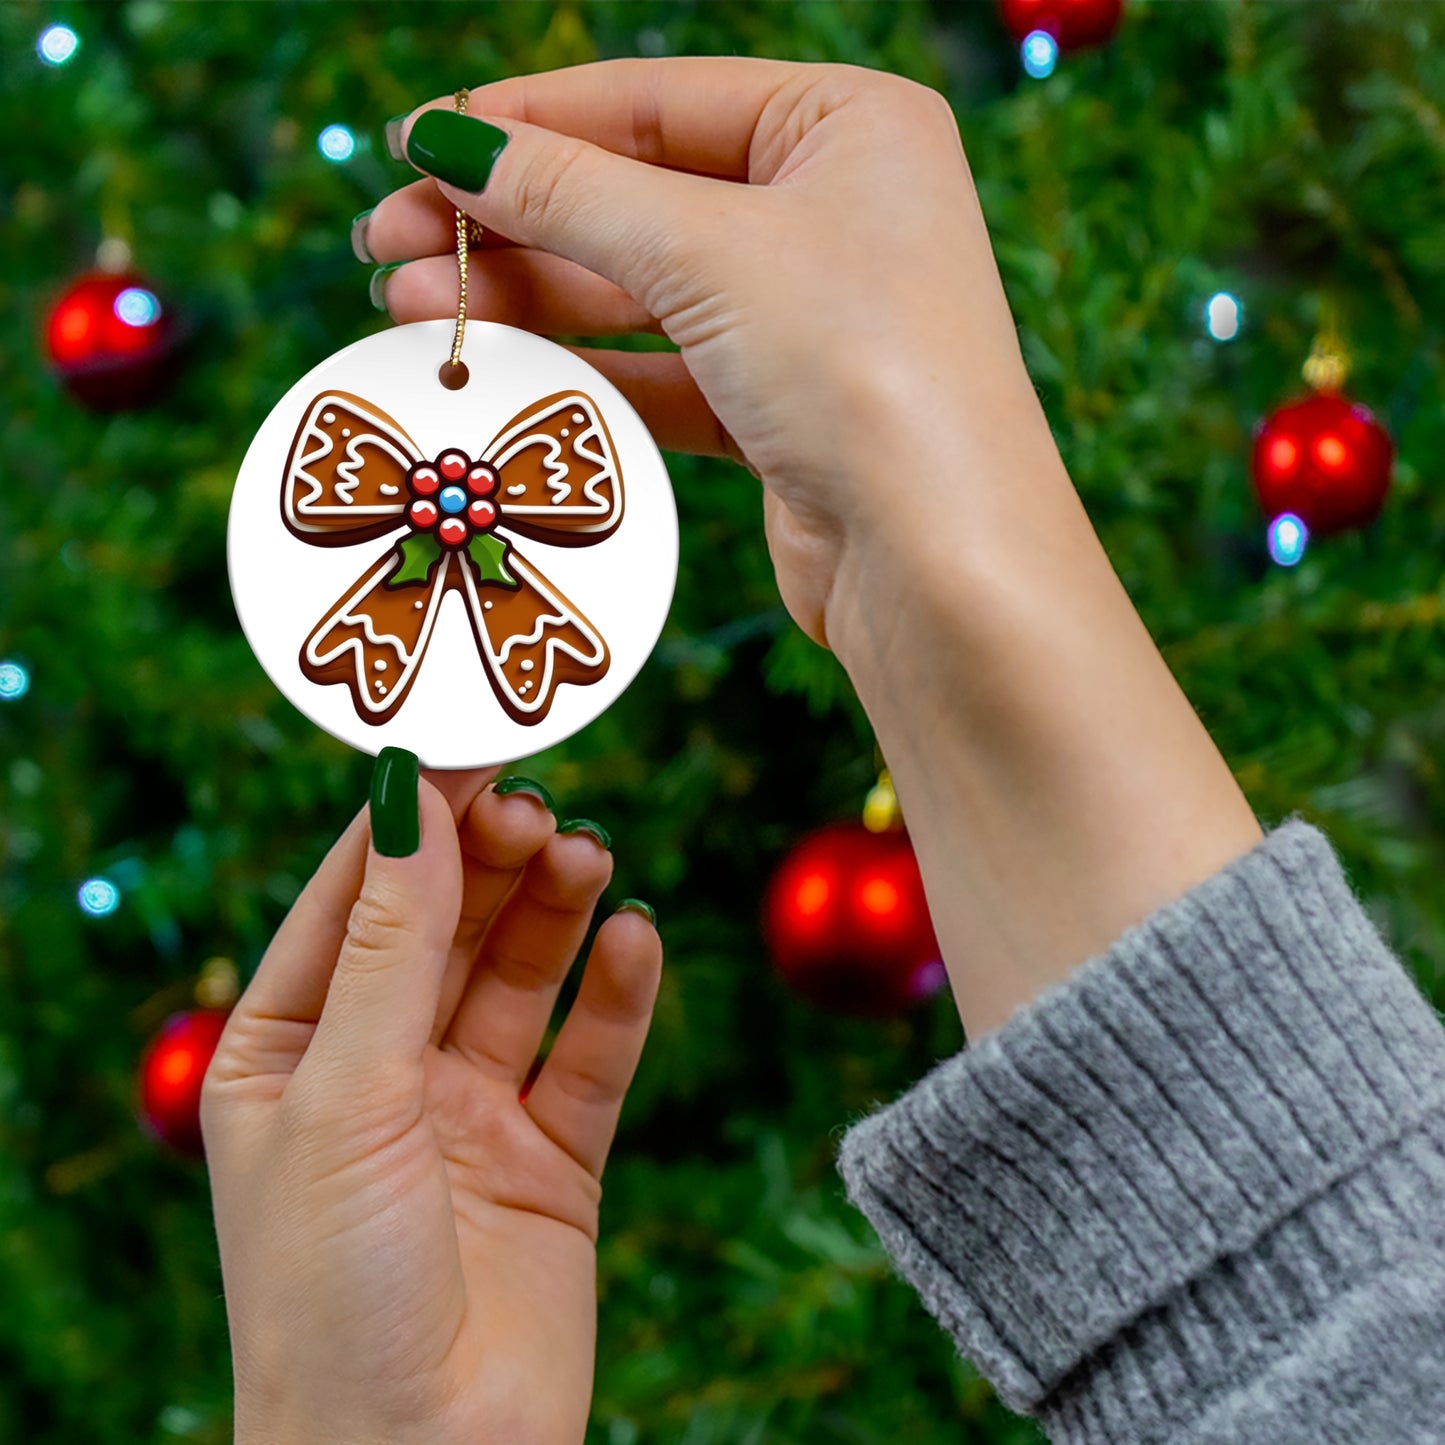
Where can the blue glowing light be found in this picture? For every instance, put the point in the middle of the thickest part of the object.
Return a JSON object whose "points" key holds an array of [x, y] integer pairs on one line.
{"points": [[452, 499], [1040, 53], [1223, 316], [14, 681], [57, 44], [1287, 537], [138, 307], [336, 143], [98, 897]]}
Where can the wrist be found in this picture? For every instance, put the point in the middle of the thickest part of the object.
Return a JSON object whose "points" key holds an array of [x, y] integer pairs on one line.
{"points": [[1057, 784]]}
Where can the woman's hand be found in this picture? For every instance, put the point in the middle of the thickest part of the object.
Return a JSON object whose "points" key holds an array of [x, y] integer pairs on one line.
{"points": [[407, 1245], [836, 308]]}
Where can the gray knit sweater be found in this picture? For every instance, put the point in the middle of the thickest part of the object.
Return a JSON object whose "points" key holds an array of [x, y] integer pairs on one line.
{"points": [[1197, 1192]]}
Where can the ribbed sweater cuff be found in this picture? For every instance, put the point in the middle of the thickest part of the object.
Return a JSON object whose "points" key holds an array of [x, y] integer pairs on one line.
{"points": [[1142, 1139]]}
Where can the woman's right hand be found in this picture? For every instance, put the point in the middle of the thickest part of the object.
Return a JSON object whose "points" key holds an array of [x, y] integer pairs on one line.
{"points": [[810, 237], [838, 315]]}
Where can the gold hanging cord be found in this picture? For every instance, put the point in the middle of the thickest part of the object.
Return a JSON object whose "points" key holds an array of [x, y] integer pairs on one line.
{"points": [[469, 233]]}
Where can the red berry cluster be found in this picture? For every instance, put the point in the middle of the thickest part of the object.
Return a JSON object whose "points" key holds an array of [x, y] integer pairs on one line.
{"points": [[452, 495]]}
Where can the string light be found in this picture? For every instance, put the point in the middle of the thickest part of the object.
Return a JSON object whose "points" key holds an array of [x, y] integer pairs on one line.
{"points": [[98, 897], [14, 681], [1040, 54], [57, 44], [1223, 316], [1287, 538], [137, 307], [336, 143]]}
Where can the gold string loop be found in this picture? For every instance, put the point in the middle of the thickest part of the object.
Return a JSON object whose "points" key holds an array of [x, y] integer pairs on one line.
{"points": [[453, 374]]}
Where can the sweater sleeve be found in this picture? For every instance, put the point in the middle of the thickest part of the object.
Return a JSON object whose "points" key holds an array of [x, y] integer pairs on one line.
{"points": [[1197, 1191]]}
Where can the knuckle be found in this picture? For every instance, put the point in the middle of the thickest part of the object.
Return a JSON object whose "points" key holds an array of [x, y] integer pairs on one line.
{"points": [[374, 935], [543, 187]]}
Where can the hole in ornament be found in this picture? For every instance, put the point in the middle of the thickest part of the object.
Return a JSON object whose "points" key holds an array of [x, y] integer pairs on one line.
{"points": [[453, 375]]}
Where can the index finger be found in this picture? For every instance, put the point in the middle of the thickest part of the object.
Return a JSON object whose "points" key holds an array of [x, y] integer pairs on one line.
{"points": [[687, 113]]}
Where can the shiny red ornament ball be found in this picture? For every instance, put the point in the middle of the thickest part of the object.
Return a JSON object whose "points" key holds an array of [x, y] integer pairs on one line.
{"points": [[1324, 458], [112, 341], [171, 1071], [482, 480], [453, 466], [847, 923], [1073, 23]]}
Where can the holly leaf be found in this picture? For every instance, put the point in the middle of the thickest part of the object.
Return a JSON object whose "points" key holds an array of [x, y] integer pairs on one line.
{"points": [[489, 557], [419, 554]]}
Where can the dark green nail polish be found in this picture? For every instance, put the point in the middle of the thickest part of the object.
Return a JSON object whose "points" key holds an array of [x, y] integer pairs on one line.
{"points": [[455, 148], [359, 248], [377, 287], [528, 786], [586, 825], [393, 137], [636, 905], [395, 812]]}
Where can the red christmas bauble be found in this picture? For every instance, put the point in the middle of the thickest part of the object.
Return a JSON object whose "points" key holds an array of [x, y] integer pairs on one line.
{"points": [[847, 923], [171, 1071], [1073, 23], [1324, 458], [111, 341]]}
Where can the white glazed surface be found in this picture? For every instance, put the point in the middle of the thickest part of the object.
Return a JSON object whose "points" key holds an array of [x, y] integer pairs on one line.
{"points": [[283, 586]]}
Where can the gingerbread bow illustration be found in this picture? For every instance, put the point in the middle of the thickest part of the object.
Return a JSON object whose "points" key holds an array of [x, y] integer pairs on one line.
{"points": [[551, 475]]}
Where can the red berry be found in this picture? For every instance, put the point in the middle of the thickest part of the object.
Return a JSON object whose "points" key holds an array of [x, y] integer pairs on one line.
{"points": [[482, 480], [481, 514], [452, 465], [422, 514], [424, 480], [452, 532]]}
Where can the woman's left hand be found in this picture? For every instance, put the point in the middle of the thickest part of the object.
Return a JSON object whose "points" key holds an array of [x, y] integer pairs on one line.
{"points": [[407, 1234]]}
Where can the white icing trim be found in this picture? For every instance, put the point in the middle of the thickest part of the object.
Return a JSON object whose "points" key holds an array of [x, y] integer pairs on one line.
{"points": [[530, 575], [523, 435], [342, 614], [315, 445]]}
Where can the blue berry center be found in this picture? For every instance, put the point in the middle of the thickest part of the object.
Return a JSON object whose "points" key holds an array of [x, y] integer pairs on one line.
{"points": [[452, 499]]}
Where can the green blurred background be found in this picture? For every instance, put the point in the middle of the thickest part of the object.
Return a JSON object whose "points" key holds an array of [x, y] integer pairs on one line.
{"points": [[1291, 154]]}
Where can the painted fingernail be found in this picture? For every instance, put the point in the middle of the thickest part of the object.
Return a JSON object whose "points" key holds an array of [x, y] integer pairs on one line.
{"points": [[377, 287], [586, 825], [529, 786], [395, 811], [636, 905], [455, 148], [393, 137], [359, 248]]}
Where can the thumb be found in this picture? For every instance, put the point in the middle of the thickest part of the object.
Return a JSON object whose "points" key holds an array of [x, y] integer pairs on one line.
{"points": [[623, 219], [382, 999]]}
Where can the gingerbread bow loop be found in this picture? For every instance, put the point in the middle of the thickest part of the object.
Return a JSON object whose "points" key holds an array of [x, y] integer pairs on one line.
{"points": [[551, 474]]}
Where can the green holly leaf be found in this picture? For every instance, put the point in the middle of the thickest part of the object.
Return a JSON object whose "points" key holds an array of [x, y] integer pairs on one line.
{"points": [[489, 557], [419, 554]]}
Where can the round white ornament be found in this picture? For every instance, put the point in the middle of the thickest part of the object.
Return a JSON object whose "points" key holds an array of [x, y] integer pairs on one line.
{"points": [[474, 574]]}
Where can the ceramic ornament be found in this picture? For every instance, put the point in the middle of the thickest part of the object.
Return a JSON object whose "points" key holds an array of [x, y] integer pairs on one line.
{"points": [[472, 574]]}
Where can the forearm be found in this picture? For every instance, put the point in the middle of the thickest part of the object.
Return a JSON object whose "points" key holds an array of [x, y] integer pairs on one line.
{"points": [[1056, 782]]}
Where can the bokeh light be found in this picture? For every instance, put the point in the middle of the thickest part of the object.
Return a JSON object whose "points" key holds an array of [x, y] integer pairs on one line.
{"points": [[14, 681], [138, 307], [1040, 54], [1287, 538], [1223, 316], [57, 44], [98, 897], [336, 143]]}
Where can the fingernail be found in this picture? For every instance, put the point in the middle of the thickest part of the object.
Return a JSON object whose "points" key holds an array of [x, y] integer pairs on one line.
{"points": [[586, 825], [359, 248], [525, 785], [455, 148], [376, 289], [636, 905], [395, 811], [393, 137]]}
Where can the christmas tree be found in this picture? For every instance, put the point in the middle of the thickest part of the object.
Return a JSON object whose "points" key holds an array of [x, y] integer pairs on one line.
{"points": [[161, 804]]}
